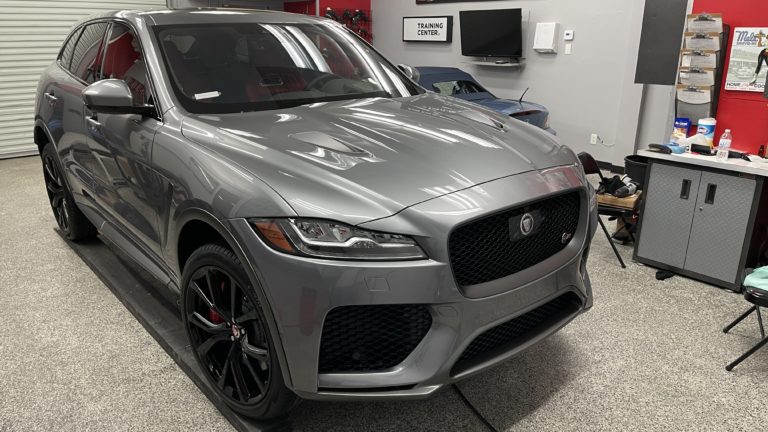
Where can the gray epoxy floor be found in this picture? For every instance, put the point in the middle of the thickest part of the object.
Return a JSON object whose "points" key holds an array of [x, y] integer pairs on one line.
{"points": [[649, 356]]}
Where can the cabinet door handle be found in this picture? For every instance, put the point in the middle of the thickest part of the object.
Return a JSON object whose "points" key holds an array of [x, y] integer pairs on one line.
{"points": [[685, 190], [711, 190]]}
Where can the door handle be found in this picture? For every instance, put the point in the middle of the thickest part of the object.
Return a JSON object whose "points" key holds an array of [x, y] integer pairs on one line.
{"points": [[711, 190], [93, 123], [51, 98], [685, 189]]}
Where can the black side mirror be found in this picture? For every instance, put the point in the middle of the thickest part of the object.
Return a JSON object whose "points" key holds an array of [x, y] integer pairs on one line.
{"points": [[112, 96]]}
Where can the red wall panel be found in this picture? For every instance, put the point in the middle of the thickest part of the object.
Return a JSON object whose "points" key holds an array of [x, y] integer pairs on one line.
{"points": [[745, 113], [301, 7], [345, 4]]}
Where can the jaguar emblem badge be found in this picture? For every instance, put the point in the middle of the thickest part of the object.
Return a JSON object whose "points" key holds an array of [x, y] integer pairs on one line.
{"points": [[526, 224]]}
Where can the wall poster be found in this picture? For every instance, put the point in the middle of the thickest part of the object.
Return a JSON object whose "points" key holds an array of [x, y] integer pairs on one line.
{"points": [[748, 65]]}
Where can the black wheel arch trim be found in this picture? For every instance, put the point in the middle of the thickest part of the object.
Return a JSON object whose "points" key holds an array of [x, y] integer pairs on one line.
{"points": [[39, 123], [251, 269]]}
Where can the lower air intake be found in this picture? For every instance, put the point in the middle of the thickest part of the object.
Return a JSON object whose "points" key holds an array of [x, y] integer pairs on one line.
{"points": [[372, 337], [511, 334]]}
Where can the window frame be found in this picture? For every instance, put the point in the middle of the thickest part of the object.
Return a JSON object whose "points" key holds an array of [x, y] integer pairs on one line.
{"points": [[105, 38], [150, 81], [76, 32], [82, 27]]}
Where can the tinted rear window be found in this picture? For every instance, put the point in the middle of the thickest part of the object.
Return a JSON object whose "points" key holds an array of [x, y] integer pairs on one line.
{"points": [[69, 48], [86, 59]]}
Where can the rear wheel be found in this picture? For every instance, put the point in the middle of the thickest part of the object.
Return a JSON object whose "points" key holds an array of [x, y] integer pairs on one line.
{"points": [[228, 334], [70, 219]]}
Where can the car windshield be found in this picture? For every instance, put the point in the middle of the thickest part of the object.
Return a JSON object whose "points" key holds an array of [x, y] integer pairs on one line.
{"points": [[234, 67], [451, 88]]}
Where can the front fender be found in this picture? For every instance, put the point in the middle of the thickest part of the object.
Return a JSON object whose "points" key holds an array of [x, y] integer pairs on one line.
{"points": [[189, 214]]}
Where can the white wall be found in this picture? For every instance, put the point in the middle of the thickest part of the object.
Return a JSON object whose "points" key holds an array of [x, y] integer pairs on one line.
{"points": [[589, 91]]}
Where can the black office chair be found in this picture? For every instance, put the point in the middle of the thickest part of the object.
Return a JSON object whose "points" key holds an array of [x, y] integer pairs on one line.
{"points": [[759, 298], [590, 167]]}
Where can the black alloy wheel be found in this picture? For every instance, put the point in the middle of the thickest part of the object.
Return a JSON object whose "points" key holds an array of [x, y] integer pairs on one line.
{"points": [[229, 336], [70, 219], [56, 193]]}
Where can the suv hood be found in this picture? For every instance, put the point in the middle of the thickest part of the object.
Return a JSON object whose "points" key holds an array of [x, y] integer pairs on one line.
{"points": [[360, 160]]}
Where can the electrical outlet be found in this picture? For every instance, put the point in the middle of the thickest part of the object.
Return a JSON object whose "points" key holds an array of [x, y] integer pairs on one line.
{"points": [[593, 139], [568, 49]]}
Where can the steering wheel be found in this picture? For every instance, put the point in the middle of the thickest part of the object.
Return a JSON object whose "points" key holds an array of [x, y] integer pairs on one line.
{"points": [[322, 79]]}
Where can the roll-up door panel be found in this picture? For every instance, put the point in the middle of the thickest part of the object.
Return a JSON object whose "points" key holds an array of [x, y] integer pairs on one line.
{"points": [[31, 34]]}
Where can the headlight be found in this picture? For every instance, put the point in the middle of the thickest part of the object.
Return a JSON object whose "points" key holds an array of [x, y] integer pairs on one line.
{"points": [[592, 198], [546, 122], [328, 239]]}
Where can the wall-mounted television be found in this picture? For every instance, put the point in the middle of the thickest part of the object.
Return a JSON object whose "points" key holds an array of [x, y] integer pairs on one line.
{"points": [[492, 33]]}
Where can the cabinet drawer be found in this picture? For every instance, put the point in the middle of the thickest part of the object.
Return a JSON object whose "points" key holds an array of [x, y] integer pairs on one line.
{"points": [[666, 220]]}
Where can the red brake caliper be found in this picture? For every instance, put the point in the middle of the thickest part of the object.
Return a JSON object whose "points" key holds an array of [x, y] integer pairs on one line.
{"points": [[214, 316]]}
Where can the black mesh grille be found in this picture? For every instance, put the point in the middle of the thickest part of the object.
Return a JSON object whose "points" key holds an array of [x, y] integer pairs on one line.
{"points": [[504, 337], [484, 250], [371, 338]]}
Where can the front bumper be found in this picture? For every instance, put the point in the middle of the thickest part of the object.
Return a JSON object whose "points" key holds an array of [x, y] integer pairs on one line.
{"points": [[302, 291]]}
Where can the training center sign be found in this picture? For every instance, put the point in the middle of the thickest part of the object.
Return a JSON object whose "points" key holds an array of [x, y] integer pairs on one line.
{"points": [[428, 29]]}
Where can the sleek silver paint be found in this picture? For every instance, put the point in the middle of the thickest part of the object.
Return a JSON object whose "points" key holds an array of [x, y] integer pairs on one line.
{"points": [[418, 166]]}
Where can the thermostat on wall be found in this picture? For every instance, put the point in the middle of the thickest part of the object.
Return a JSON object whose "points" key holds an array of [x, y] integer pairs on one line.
{"points": [[545, 40]]}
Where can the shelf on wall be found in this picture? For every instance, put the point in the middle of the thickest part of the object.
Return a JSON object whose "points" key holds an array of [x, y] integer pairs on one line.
{"points": [[514, 63]]}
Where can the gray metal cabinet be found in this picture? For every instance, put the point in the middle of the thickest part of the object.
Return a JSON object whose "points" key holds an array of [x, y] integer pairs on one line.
{"points": [[668, 213], [719, 225], [695, 222]]}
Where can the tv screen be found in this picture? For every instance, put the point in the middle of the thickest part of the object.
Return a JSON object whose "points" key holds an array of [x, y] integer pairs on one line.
{"points": [[492, 33]]}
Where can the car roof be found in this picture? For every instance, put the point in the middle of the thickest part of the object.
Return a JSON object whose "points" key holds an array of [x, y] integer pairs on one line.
{"points": [[210, 15], [433, 74]]}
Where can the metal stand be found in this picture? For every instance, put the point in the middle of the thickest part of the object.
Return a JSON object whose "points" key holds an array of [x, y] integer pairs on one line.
{"points": [[747, 354], [754, 348], [610, 240], [740, 319]]}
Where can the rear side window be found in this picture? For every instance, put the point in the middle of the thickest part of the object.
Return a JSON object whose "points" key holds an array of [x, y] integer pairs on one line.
{"points": [[69, 48], [87, 55]]}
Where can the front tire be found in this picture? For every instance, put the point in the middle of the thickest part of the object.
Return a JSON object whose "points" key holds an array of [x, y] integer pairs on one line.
{"points": [[228, 333], [72, 222]]}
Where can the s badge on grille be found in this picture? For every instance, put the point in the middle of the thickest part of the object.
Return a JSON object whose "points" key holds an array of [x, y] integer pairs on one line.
{"points": [[526, 224]]}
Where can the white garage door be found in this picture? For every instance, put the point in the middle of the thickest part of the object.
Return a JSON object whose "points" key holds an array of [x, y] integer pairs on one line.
{"points": [[31, 33]]}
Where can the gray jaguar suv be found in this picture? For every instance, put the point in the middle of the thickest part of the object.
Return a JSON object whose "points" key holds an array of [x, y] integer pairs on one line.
{"points": [[330, 229]]}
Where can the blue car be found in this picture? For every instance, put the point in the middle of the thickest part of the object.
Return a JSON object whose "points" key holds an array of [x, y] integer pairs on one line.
{"points": [[457, 83]]}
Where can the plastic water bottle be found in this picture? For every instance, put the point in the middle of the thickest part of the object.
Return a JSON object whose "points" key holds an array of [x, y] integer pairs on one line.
{"points": [[724, 145]]}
